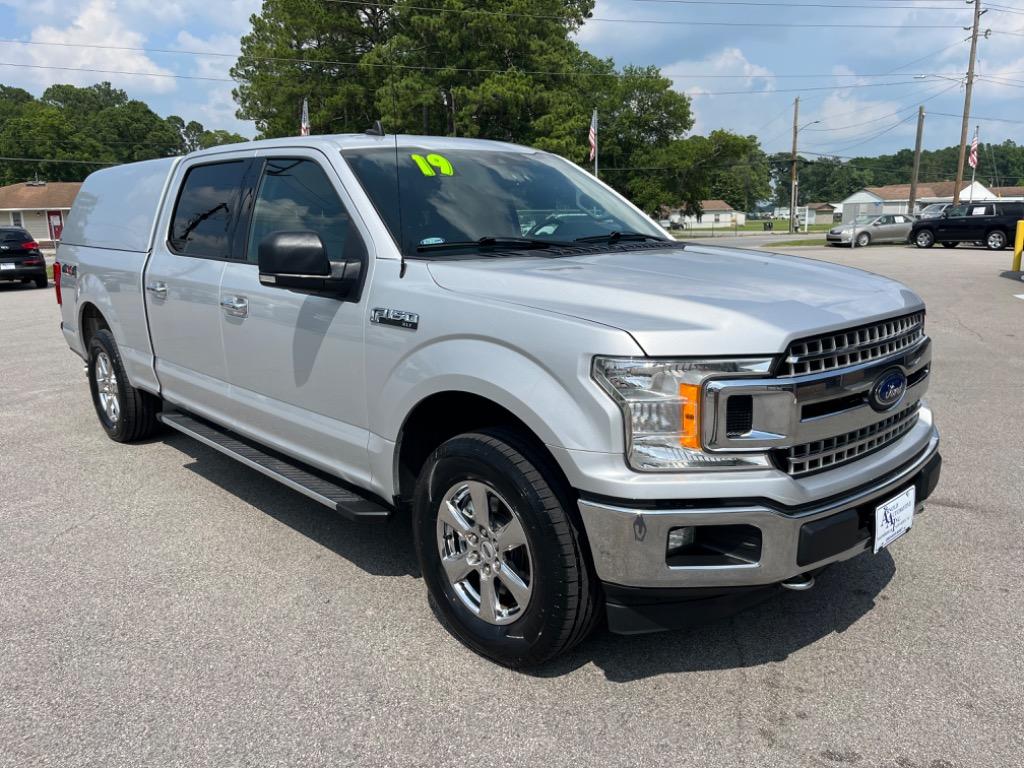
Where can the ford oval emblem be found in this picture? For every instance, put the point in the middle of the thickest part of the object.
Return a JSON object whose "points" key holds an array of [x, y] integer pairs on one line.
{"points": [[889, 389]]}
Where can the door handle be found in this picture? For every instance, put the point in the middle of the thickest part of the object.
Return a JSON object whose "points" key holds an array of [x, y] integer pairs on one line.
{"points": [[157, 289], [236, 306]]}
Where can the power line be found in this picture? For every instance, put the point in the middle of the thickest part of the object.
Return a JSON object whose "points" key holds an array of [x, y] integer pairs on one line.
{"points": [[672, 22], [581, 73], [231, 80], [975, 117], [806, 5], [51, 160]]}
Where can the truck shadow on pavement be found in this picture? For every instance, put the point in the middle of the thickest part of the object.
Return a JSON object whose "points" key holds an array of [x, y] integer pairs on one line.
{"points": [[380, 549], [768, 632]]}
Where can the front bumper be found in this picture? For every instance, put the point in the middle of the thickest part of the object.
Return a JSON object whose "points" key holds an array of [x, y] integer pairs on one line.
{"points": [[629, 541], [838, 239]]}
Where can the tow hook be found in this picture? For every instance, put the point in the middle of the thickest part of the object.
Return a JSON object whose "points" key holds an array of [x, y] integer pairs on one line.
{"points": [[799, 583]]}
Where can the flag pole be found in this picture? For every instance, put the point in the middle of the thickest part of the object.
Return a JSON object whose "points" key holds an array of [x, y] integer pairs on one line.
{"points": [[974, 165], [596, 147]]}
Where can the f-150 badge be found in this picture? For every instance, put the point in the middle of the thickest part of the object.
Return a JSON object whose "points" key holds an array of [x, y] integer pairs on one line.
{"points": [[395, 317]]}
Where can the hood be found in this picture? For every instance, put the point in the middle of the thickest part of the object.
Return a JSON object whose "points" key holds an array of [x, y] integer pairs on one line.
{"points": [[701, 300]]}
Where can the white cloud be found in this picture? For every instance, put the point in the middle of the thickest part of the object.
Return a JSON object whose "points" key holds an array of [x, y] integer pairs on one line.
{"points": [[739, 73], [97, 23]]}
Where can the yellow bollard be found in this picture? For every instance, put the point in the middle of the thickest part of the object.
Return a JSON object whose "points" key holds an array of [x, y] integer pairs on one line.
{"points": [[1018, 246]]}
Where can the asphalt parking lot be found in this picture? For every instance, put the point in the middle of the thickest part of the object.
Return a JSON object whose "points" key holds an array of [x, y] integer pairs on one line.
{"points": [[161, 605]]}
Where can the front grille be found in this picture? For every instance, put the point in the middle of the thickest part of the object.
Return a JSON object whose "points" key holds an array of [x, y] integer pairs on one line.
{"points": [[842, 349], [825, 454]]}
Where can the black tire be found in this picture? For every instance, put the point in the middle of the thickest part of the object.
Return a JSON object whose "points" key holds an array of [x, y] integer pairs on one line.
{"points": [[137, 410], [863, 240], [996, 240], [42, 282], [954, 244], [924, 238], [563, 605]]}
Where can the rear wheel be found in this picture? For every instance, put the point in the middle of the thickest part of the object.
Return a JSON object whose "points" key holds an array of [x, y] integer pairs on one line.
{"points": [[996, 240], [924, 238], [126, 413], [950, 245], [504, 563], [42, 282]]}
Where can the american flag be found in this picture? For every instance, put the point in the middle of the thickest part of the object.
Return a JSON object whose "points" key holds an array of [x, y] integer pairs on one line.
{"points": [[304, 128], [972, 159], [593, 136]]}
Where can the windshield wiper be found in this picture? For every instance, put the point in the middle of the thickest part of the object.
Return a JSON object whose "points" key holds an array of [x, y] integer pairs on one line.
{"points": [[616, 236], [494, 241]]}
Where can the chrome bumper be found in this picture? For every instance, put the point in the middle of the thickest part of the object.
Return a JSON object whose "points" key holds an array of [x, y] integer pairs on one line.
{"points": [[629, 544]]}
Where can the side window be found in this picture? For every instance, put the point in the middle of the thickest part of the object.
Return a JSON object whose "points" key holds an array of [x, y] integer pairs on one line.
{"points": [[885, 220], [206, 210], [296, 196]]}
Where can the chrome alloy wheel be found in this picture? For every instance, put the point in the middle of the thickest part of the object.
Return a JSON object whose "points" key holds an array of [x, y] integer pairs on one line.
{"points": [[106, 387], [484, 551]]}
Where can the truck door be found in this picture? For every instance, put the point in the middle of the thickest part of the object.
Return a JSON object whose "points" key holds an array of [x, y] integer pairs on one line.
{"points": [[295, 360], [182, 284]]}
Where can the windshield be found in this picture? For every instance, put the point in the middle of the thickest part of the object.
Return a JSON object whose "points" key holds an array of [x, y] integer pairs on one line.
{"points": [[863, 219], [463, 196]]}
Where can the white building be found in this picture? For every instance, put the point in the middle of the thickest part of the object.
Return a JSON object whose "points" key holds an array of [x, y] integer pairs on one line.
{"points": [[714, 213], [38, 207], [895, 198]]}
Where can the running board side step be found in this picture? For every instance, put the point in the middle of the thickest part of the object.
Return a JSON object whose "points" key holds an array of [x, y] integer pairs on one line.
{"points": [[333, 495]]}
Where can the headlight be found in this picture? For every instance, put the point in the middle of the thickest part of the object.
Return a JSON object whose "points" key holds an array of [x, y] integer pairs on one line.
{"points": [[661, 402]]}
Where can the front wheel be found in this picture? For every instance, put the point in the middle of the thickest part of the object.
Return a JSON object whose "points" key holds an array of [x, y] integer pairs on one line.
{"points": [[996, 240], [504, 563], [863, 240], [924, 239]]}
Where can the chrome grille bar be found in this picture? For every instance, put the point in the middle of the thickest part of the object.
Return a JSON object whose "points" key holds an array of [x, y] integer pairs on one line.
{"points": [[842, 349], [831, 452]]}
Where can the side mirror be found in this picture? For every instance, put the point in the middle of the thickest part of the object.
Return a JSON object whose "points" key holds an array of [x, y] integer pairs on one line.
{"points": [[298, 261]]}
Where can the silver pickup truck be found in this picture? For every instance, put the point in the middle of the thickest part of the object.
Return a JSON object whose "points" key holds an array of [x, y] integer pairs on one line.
{"points": [[581, 418]]}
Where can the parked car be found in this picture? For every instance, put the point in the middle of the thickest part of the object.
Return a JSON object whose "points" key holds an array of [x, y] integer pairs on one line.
{"points": [[586, 420], [20, 258], [991, 224], [865, 230], [933, 211]]}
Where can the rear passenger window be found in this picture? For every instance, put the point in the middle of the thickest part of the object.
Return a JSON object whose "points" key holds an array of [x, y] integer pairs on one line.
{"points": [[206, 210], [297, 196]]}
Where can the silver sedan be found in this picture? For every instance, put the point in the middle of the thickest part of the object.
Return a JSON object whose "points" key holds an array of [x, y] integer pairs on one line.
{"points": [[865, 230]]}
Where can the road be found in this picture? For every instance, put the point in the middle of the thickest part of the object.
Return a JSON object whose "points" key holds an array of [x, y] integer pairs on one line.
{"points": [[163, 606]]}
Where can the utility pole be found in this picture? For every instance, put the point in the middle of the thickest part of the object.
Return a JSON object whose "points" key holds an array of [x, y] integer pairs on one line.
{"points": [[917, 160], [792, 172], [967, 102]]}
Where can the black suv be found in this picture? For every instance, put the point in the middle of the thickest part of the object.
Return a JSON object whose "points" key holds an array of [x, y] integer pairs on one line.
{"points": [[20, 257], [986, 223]]}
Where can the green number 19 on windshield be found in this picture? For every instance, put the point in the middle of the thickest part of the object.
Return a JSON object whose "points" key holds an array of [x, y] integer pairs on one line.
{"points": [[430, 162]]}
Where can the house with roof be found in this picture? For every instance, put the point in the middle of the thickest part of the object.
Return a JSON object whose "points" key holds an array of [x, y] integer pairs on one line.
{"points": [[895, 198], [1008, 193], [39, 207], [714, 213], [823, 213]]}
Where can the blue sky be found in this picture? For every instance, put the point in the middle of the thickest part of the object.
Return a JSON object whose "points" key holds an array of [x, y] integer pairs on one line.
{"points": [[858, 113]]}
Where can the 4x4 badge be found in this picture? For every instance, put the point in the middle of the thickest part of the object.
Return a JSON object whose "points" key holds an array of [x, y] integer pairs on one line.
{"points": [[395, 317]]}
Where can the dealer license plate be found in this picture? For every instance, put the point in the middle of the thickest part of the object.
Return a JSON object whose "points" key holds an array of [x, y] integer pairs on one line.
{"points": [[6, 266], [894, 518]]}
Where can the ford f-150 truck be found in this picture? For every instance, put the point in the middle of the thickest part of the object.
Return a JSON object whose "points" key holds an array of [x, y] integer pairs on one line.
{"points": [[582, 419]]}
